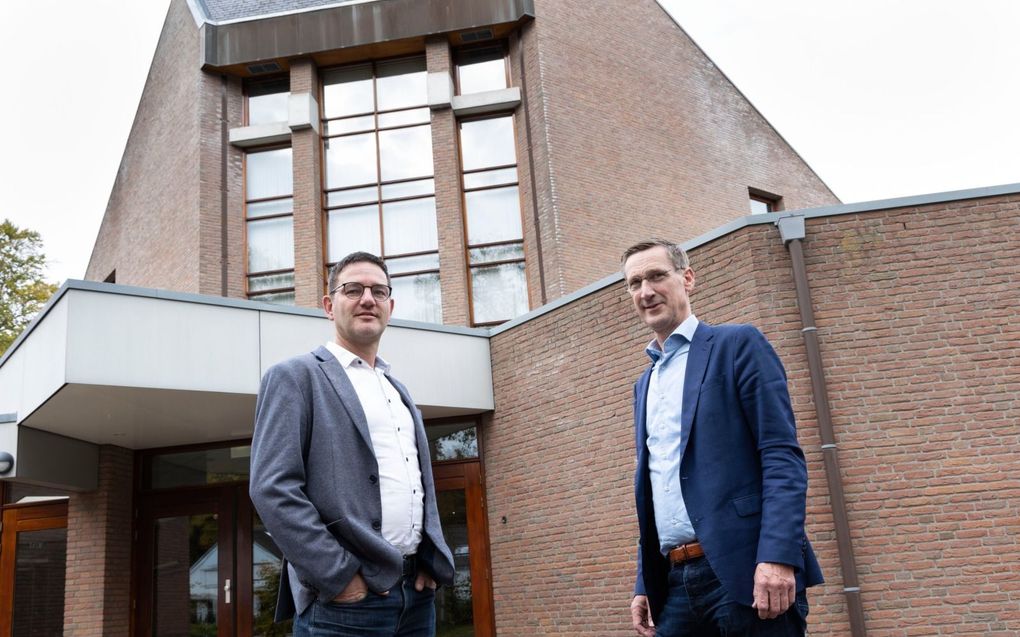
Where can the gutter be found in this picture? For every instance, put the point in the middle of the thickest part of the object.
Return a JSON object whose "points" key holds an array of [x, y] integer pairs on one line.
{"points": [[791, 229]]}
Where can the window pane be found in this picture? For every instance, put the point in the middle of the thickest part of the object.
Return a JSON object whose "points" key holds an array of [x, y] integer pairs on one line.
{"points": [[406, 152], [404, 118], [350, 161], [272, 207], [196, 468], [487, 142], [280, 298], [269, 174], [759, 207], [401, 84], [454, 441], [270, 282], [410, 226], [490, 178], [273, 107], [350, 125], [496, 253], [40, 564], [266, 560], [270, 244], [482, 74], [499, 292], [493, 215], [412, 264], [409, 189], [353, 229], [347, 91], [348, 197], [417, 298]]}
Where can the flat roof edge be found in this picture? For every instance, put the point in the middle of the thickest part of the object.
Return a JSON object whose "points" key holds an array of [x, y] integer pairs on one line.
{"points": [[771, 219]]}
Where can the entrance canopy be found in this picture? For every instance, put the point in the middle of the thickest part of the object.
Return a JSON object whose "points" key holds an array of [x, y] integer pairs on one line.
{"points": [[140, 368]]}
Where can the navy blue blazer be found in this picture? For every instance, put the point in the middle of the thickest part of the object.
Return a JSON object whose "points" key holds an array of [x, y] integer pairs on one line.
{"points": [[742, 473]]}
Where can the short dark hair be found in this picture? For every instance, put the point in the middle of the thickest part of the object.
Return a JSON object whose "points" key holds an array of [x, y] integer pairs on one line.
{"points": [[676, 254], [355, 257]]}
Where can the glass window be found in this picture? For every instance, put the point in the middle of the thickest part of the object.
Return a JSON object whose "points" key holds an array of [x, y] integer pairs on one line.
{"points": [[452, 441], [197, 468], [269, 208], [268, 101], [481, 69], [760, 206], [380, 191], [492, 210]]}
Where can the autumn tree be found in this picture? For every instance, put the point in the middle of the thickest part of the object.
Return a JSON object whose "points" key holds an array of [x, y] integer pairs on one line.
{"points": [[23, 291]]}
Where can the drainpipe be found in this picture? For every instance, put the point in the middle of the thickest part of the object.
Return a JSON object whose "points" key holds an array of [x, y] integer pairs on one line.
{"points": [[791, 228]]}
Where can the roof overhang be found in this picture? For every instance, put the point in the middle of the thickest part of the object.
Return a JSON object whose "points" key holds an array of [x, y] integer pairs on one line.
{"points": [[230, 46], [137, 368]]}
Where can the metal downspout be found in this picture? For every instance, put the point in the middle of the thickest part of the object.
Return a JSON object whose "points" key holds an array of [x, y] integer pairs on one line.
{"points": [[792, 231]]}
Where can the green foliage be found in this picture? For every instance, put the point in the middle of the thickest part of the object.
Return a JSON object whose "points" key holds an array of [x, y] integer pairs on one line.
{"points": [[23, 291]]}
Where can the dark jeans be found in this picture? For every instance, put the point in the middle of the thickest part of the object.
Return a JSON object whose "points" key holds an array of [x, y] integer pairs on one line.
{"points": [[697, 606], [405, 612]]}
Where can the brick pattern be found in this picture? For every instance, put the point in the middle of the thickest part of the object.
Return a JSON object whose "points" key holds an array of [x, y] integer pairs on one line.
{"points": [[915, 312], [98, 577], [309, 260], [150, 232], [632, 122]]}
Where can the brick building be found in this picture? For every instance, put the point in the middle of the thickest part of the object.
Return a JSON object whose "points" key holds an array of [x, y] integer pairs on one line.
{"points": [[499, 154]]}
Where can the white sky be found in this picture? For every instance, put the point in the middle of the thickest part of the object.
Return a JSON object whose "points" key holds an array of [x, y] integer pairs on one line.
{"points": [[883, 98]]}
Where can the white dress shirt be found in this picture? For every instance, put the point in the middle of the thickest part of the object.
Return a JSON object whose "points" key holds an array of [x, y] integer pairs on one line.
{"points": [[391, 428]]}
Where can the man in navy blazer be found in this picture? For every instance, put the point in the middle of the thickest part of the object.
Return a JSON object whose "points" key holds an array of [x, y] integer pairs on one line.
{"points": [[340, 475], [721, 481]]}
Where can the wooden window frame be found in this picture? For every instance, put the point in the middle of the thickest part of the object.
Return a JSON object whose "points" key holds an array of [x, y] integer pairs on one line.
{"points": [[254, 296]]}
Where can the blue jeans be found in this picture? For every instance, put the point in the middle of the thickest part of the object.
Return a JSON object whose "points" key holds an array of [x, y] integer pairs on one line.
{"points": [[405, 612], [698, 606]]}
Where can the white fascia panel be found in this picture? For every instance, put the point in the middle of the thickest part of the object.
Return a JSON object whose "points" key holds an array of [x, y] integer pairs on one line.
{"points": [[440, 369], [40, 362], [134, 341], [284, 336]]}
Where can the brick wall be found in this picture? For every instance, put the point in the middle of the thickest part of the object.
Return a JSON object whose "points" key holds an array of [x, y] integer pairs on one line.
{"points": [[98, 582], [919, 340], [634, 130], [150, 233]]}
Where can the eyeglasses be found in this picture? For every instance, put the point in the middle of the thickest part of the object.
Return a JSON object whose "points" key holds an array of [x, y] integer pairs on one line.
{"points": [[653, 277], [355, 291]]}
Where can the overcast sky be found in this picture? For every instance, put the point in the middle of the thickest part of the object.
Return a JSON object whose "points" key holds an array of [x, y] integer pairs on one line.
{"points": [[883, 98]]}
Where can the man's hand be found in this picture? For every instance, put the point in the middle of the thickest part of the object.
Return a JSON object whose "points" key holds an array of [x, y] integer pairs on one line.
{"points": [[423, 581], [774, 589], [356, 591], [641, 616]]}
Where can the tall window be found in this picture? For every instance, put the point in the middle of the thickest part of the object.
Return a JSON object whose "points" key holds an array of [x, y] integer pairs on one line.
{"points": [[481, 69], [380, 191], [268, 101], [492, 209], [269, 211]]}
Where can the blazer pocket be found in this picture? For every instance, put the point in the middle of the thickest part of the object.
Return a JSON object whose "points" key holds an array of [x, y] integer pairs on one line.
{"points": [[747, 504]]}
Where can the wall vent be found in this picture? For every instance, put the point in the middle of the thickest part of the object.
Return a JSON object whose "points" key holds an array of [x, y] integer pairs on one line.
{"points": [[476, 36], [264, 67]]}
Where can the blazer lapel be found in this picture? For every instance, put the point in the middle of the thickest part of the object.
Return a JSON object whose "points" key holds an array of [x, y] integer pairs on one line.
{"points": [[345, 391], [697, 363]]}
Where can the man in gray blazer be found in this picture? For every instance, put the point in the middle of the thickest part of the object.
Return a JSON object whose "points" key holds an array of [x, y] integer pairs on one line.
{"points": [[340, 475]]}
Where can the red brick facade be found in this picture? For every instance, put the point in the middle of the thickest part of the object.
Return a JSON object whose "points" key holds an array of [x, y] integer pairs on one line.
{"points": [[919, 339]]}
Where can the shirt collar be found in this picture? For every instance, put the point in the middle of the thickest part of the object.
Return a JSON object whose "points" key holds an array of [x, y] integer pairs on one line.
{"points": [[684, 333], [348, 358]]}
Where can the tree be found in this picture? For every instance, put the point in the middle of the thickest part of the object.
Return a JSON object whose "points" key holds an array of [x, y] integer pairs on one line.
{"points": [[23, 291]]}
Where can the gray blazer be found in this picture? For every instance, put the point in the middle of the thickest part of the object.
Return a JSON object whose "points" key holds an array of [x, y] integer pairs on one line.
{"points": [[314, 482]]}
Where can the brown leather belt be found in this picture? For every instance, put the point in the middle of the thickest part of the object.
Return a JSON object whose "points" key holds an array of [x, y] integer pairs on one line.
{"points": [[685, 553]]}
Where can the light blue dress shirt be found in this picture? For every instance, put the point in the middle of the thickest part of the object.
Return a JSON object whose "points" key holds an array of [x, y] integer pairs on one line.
{"points": [[663, 408]]}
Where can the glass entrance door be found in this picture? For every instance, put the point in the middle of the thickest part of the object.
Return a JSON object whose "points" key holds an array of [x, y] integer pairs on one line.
{"points": [[33, 560]]}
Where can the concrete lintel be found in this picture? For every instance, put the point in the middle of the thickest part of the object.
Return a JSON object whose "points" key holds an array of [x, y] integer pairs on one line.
{"points": [[440, 86], [487, 101], [247, 136], [304, 112]]}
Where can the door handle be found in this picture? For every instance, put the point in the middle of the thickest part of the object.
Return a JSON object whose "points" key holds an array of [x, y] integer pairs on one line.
{"points": [[226, 592]]}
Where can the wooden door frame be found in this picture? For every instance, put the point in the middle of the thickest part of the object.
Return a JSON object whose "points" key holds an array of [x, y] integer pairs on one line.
{"points": [[32, 516], [221, 501], [467, 475]]}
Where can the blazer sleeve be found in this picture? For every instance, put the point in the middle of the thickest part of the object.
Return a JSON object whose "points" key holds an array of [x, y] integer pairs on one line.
{"points": [[279, 450], [765, 400]]}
